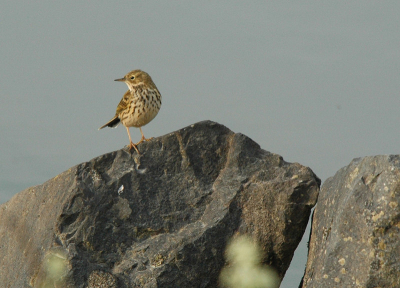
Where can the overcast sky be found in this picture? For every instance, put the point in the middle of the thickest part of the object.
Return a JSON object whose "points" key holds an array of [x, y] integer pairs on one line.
{"points": [[316, 82]]}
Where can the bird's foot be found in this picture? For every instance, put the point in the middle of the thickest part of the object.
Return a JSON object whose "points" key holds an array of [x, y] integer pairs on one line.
{"points": [[131, 145], [143, 139]]}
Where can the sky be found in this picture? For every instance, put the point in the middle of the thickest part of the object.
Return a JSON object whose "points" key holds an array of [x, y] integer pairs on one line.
{"points": [[316, 82]]}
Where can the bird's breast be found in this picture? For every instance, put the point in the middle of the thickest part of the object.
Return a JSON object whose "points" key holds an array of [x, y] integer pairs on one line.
{"points": [[142, 108]]}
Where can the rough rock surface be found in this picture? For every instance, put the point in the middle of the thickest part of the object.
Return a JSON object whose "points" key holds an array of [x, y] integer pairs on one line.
{"points": [[161, 219], [355, 239]]}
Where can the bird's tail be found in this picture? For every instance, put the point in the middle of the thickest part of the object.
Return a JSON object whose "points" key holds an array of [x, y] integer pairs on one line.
{"points": [[112, 123]]}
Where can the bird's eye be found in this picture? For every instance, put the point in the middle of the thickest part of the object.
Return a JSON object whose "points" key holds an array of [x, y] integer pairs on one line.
{"points": [[133, 77]]}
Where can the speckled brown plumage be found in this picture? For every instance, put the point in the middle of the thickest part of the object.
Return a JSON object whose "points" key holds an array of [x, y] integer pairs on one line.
{"points": [[139, 105]]}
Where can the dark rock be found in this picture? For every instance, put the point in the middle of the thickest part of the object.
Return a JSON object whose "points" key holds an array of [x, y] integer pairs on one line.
{"points": [[355, 239], [161, 219]]}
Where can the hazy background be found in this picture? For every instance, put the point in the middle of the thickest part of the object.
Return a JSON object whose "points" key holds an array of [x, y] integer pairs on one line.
{"points": [[316, 83]]}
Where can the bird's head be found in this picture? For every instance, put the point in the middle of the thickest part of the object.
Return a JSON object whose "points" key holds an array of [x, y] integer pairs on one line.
{"points": [[136, 78]]}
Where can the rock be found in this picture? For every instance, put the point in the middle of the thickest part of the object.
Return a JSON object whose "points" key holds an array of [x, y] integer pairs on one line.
{"points": [[161, 219], [355, 239]]}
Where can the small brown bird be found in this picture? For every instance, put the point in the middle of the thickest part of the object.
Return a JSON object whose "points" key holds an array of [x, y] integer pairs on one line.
{"points": [[139, 105]]}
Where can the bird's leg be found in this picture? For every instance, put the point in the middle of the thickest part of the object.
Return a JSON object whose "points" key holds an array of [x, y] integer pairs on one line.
{"points": [[143, 138], [131, 145]]}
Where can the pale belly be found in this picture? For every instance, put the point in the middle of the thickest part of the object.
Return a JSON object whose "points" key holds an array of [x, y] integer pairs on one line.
{"points": [[139, 114], [139, 119]]}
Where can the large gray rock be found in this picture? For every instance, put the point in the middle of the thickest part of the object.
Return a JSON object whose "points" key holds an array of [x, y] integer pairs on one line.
{"points": [[355, 239], [161, 219]]}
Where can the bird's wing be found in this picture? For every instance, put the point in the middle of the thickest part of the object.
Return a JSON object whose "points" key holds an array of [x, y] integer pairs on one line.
{"points": [[123, 104]]}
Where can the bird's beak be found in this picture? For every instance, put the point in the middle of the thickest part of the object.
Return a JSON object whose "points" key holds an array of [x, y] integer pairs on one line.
{"points": [[120, 79]]}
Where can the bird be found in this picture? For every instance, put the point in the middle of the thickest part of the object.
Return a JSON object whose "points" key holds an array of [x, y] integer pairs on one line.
{"points": [[138, 106]]}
